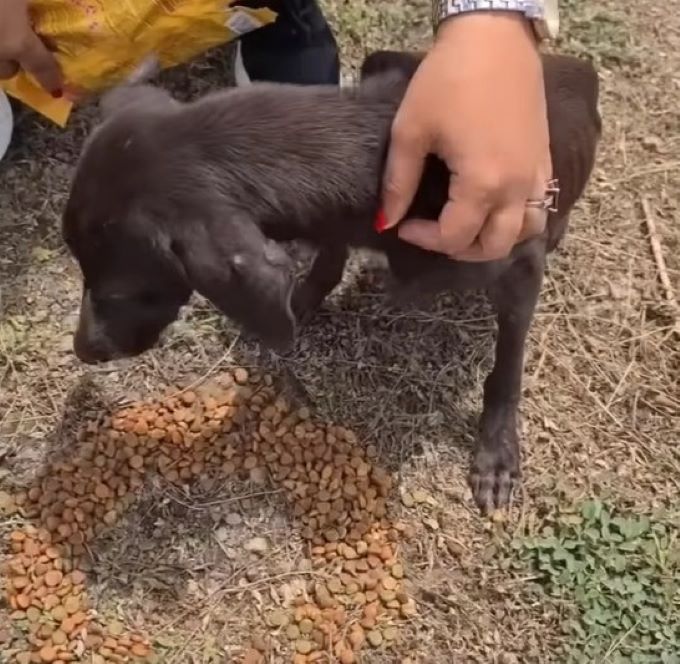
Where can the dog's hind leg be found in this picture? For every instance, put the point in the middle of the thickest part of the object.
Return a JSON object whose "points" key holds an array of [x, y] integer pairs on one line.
{"points": [[496, 463], [324, 275]]}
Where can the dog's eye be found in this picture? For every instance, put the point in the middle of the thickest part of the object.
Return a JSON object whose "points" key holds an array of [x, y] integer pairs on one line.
{"points": [[149, 298], [145, 298]]}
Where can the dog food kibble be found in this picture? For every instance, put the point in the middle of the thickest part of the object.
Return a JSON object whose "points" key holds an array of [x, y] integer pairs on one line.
{"points": [[240, 376], [238, 424], [277, 618], [375, 638]]}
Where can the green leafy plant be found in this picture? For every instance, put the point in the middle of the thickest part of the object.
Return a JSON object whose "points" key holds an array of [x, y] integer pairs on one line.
{"points": [[618, 575], [597, 33]]}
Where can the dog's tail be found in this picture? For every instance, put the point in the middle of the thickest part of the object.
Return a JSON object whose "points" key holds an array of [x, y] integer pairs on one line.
{"points": [[567, 76], [572, 92]]}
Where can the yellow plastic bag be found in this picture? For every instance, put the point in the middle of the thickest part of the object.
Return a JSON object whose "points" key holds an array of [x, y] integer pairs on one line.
{"points": [[100, 42]]}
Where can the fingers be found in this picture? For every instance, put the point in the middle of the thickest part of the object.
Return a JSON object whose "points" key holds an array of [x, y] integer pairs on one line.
{"points": [[403, 172], [456, 230], [536, 219], [498, 236], [37, 60], [534, 223], [460, 221], [458, 236], [474, 227]]}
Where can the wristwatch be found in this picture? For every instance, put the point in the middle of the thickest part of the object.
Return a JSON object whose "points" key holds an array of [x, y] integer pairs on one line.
{"points": [[543, 14]]}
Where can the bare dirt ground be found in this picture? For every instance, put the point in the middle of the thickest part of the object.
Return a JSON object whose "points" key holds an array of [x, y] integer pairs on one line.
{"points": [[601, 409]]}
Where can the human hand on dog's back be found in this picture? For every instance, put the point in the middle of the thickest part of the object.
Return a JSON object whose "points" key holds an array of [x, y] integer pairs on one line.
{"points": [[477, 102], [21, 48]]}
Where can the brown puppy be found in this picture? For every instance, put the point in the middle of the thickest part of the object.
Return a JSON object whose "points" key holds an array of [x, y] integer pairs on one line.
{"points": [[169, 198]]}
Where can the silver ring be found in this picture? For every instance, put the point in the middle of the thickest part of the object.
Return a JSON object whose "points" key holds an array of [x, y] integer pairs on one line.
{"points": [[551, 199]]}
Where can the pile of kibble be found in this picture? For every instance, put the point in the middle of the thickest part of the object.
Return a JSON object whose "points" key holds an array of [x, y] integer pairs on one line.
{"points": [[239, 425]]}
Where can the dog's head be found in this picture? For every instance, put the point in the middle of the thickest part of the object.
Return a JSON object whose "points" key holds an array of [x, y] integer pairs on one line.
{"points": [[140, 267], [147, 230], [132, 288]]}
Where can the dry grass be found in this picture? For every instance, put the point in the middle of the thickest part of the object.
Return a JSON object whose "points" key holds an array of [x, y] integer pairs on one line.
{"points": [[601, 410]]}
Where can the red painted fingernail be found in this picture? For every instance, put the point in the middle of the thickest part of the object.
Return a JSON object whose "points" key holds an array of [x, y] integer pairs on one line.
{"points": [[380, 223], [58, 94]]}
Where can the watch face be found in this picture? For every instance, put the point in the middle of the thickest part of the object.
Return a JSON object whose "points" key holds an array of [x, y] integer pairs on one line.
{"points": [[545, 27]]}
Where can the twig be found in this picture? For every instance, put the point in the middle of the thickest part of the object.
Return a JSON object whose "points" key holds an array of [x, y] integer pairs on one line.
{"points": [[211, 370], [644, 172], [657, 251], [223, 501], [616, 644]]}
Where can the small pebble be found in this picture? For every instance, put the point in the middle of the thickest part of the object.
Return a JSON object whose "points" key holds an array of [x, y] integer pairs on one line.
{"points": [[259, 643], [234, 519], [252, 656], [258, 475], [277, 618], [257, 545], [241, 375], [420, 496], [408, 610], [390, 633], [407, 500]]}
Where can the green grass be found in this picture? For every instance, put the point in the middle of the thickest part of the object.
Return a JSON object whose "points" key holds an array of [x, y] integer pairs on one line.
{"points": [[599, 34], [615, 578]]}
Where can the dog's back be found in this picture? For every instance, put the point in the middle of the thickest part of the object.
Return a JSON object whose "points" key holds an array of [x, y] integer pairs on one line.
{"points": [[307, 161], [301, 157], [312, 153]]}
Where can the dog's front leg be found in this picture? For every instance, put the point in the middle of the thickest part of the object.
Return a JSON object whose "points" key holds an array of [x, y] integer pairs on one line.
{"points": [[496, 464], [324, 275]]}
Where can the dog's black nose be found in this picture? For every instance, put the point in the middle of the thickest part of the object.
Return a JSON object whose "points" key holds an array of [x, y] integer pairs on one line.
{"points": [[88, 357], [89, 353]]}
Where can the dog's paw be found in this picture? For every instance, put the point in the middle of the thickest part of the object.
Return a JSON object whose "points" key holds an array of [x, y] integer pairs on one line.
{"points": [[495, 471]]}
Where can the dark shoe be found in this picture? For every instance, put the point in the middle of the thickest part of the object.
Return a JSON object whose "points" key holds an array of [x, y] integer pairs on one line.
{"points": [[299, 47]]}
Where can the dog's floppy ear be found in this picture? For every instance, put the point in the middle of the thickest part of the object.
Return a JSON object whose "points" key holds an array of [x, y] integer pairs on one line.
{"points": [[245, 275], [136, 91], [149, 67], [382, 62]]}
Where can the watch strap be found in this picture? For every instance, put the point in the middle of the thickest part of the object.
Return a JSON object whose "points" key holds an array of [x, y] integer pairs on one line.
{"points": [[542, 14]]}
